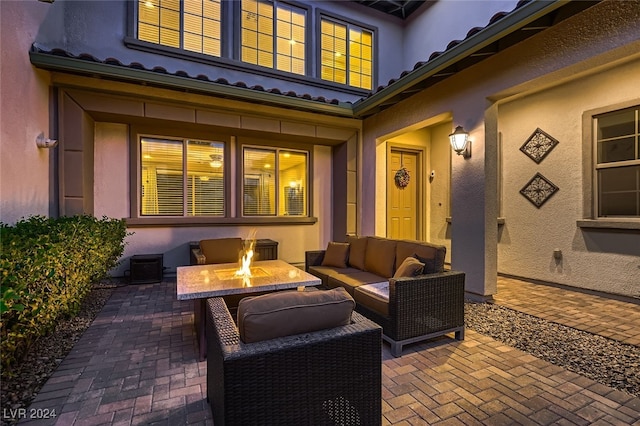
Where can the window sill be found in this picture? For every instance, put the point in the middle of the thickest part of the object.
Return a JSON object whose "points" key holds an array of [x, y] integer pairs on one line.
{"points": [[620, 224], [150, 222]]}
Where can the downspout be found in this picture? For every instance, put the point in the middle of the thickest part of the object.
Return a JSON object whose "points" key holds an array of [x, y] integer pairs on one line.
{"points": [[54, 167]]}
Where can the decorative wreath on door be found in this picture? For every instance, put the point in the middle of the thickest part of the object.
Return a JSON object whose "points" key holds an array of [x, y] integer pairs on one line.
{"points": [[402, 177]]}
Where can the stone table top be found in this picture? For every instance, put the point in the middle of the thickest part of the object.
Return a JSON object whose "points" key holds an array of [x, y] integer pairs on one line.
{"points": [[215, 280]]}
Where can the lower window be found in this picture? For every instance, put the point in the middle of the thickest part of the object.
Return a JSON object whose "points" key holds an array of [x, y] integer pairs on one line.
{"points": [[275, 182], [181, 177], [618, 163]]}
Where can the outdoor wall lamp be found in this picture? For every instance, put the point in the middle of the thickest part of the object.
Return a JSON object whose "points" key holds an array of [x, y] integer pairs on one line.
{"points": [[43, 142], [460, 142]]}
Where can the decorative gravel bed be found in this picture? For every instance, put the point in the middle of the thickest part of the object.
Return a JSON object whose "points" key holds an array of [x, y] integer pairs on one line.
{"points": [[604, 360]]}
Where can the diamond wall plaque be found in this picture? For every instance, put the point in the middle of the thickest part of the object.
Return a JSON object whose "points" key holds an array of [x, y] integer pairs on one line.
{"points": [[538, 190], [539, 145]]}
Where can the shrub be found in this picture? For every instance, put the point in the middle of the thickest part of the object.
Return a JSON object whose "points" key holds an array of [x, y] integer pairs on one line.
{"points": [[48, 266]]}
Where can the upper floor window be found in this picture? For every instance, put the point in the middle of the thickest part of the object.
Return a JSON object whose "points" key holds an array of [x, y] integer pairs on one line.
{"points": [[346, 54], [181, 177], [617, 145], [273, 35], [193, 25], [275, 182]]}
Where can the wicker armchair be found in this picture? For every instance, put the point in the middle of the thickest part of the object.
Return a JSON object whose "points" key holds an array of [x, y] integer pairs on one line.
{"points": [[217, 250], [421, 308], [327, 377]]}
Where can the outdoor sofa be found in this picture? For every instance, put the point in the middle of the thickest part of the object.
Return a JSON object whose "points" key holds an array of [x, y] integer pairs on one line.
{"points": [[399, 284]]}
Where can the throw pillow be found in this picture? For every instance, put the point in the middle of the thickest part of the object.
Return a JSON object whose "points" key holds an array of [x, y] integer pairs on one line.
{"points": [[429, 264], [336, 255], [410, 267], [286, 313]]}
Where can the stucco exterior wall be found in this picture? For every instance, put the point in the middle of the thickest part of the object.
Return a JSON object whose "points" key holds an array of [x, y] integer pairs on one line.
{"points": [[587, 43], [443, 21], [601, 260], [111, 195], [440, 187], [25, 170]]}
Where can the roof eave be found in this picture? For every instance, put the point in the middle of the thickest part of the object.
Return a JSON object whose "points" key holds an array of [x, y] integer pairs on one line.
{"points": [[74, 65], [515, 20]]}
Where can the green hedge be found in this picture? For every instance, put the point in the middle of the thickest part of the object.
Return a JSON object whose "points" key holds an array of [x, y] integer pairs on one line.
{"points": [[48, 266]]}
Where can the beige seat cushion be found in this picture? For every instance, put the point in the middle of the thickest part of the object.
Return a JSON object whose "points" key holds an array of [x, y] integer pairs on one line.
{"points": [[221, 250], [410, 267], [374, 296], [286, 313], [351, 281], [336, 255]]}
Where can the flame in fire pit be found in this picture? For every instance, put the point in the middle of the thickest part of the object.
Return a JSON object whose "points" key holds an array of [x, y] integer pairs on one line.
{"points": [[245, 264], [246, 258]]}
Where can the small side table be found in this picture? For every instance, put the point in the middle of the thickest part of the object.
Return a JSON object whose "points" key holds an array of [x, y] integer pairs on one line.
{"points": [[145, 268]]}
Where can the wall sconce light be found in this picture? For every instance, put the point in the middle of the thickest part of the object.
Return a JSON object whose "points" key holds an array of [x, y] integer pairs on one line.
{"points": [[43, 142], [460, 142]]}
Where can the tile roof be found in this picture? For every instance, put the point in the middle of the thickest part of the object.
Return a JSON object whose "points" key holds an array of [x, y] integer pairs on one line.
{"points": [[422, 81], [161, 70]]}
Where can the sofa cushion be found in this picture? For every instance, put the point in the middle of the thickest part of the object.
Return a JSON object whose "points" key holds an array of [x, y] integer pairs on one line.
{"points": [[357, 249], [336, 255], [221, 250], [374, 296], [410, 267], [380, 256], [423, 251], [330, 271], [286, 313], [351, 281]]}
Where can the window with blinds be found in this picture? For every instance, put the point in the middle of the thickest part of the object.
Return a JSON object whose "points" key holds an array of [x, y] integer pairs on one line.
{"points": [[274, 182], [617, 145], [181, 177], [346, 54], [273, 35], [193, 25]]}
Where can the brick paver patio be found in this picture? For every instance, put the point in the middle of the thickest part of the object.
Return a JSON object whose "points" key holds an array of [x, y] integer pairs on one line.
{"points": [[137, 364]]}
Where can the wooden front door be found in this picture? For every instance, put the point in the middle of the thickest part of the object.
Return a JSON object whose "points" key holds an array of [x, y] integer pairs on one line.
{"points": [[402, 203]]}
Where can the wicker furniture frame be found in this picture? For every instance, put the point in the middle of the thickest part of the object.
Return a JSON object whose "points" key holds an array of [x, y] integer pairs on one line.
{"points": [[328, 377], [421, 308]]}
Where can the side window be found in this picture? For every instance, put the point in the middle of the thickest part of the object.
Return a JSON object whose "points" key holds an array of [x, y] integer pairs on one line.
{"points": [[346, 52], [181, 177], [617, 163], [273, 35], [193, 25], [275, 182]]}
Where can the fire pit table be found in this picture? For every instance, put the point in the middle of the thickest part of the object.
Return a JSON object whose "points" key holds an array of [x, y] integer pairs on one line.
{"points": [[200, 282]]}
